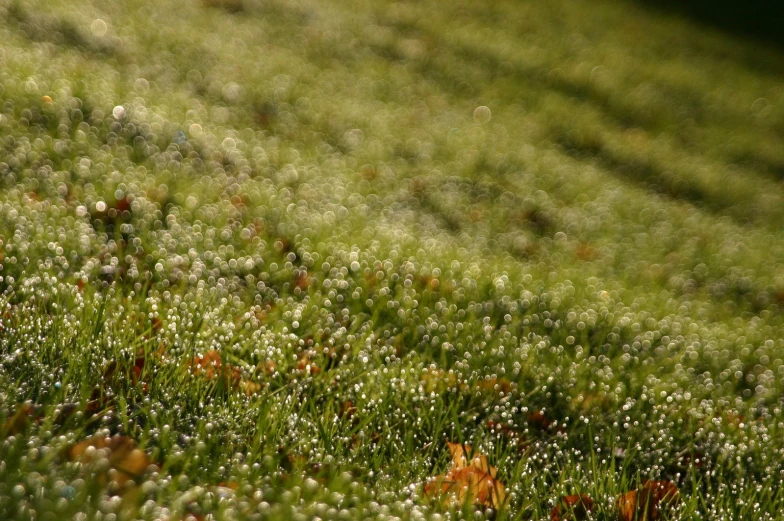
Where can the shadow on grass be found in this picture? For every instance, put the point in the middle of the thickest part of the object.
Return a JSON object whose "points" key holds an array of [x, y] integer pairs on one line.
{"points": [[761, 20]]}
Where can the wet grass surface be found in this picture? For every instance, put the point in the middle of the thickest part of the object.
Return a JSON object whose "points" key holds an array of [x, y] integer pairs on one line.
{"points": [[263, 260]]}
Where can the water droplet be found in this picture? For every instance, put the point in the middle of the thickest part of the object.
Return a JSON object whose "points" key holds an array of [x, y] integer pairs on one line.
{"points": [[99, 27], [482, 114], [141, 85]]}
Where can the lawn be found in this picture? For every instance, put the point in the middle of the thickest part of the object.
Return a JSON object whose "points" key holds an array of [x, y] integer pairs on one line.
{"points": [[272, 259]]}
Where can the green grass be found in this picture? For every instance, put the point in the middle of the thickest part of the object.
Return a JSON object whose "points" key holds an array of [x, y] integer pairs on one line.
{"points": [[313, 184]]}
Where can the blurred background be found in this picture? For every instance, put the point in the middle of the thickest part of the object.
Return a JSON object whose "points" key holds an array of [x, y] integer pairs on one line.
{"points": [[422, 185], [758, 19]]}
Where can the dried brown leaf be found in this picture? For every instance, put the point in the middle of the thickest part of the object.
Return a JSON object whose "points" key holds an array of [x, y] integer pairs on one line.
{"points": [[577, 507], [464, 456], [471, 479], [20, 420], [306, 365], [127, 462], [649, 502], [211, 366]]}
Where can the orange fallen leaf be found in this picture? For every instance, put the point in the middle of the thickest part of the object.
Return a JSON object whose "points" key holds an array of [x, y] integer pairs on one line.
{"points": [[585, 252], [290, 461], [268, 368], [494, 385], [302, 281], [577, 507], [304, 364], [20, 420], [649, 502], [135, 371], [440, 381], [463, 456], [471, 478], [368, 172], [127, 462], [347, 410], [695, 458], [155, 324], [249, 388], [459, 486], [734, 419], [211, 366]]}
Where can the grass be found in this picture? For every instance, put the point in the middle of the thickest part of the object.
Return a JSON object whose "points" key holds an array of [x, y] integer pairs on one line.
{"points": [[291, 249]]}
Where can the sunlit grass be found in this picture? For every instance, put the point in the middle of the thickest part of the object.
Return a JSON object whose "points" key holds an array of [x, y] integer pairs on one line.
{"points": [[290, 249]]}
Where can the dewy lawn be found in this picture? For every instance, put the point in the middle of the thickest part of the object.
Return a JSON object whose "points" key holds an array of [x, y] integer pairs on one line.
{"points": [[396, 260]]}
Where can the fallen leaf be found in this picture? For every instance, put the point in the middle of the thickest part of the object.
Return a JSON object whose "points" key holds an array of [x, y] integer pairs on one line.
{"points": [[135, 371], [20, 420], [101, 398], [649, 502], [127, 462], [585, 252], [540, 420], [304, 364], [471, 479], [303, 281], [513, 435], [695, 458], [577, 507], [347, 410], [155, 324], [268, 368], [210, 365], [463, 456], [249, 388], [369, 172], [290, 461], [734, 419]]}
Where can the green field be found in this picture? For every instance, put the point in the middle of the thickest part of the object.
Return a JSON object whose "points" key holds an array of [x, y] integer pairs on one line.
{"points": [[264, 259]]}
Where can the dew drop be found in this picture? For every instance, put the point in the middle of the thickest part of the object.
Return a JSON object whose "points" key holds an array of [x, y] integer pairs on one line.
{"points": [[482, 114], [98, 27]]}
